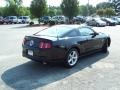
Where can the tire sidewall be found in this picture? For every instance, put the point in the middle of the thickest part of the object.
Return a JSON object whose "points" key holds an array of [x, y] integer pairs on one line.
{"points": [[66, 60], [105, 47]]}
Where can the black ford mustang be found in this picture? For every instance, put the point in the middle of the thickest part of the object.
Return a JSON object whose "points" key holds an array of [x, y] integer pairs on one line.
{"points": [[64, 43]]}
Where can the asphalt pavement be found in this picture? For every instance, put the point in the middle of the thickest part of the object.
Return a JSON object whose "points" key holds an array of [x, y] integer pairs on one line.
{"points": [[95, 72]]}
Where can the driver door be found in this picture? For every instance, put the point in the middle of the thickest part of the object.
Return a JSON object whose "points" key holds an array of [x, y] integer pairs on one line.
{"points": [[92, 42]]}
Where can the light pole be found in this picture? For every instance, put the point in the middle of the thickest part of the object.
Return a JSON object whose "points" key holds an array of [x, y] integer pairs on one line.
{"points": [[88, 8]]}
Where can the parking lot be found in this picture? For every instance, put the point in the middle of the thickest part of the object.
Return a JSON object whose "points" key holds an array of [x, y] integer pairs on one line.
{"points": [[95, 72]]}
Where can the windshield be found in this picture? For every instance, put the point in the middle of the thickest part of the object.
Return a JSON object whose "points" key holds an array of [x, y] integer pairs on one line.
{"points": [[13, 17], [54, 31], [109, 19], [25, 17]]}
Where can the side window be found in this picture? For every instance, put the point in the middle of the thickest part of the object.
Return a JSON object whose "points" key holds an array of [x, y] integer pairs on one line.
{"points": [[85, 31], [72, 33], [20, 17]]}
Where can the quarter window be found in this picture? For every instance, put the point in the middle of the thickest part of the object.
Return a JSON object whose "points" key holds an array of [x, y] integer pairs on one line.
{"points": [[72, 33], [85, 31]]}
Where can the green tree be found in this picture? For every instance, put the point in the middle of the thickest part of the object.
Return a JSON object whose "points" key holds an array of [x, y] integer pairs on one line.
{"points": [[51, 11], [104, 5], [12, 7], [38, 8], [116, 5], [23, 11], [100, 12], [70, 8], [11, 10], [109, 12], [1, 11], [83, 10], [54, 11], [14, 2], [92, 10]]}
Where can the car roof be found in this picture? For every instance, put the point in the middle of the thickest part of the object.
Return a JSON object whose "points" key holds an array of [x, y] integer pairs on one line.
{"points": [[73, 26]]}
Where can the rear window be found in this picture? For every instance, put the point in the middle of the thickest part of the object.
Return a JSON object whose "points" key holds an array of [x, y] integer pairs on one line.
{"points": [[46, 18], [13, 17], [54, 31], [20, 18], [25, 17]]}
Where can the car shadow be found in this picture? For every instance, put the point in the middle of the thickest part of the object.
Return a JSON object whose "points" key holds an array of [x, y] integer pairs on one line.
{"points": [[32, 75]]}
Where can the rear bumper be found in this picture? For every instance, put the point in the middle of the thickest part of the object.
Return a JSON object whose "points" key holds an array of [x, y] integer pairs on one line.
{"points": [[50, 55], [112, 24]]}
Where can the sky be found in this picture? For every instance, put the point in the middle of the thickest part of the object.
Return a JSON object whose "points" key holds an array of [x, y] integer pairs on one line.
{"points": [[57, 2]]}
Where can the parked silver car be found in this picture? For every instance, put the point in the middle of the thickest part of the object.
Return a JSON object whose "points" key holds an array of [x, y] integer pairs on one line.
{"points": [[11, 19], [59, 19], [96, 22]]}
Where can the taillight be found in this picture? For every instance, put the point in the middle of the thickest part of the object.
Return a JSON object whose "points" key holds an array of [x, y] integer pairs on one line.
{"points": [[24, 41], [45, 45]]}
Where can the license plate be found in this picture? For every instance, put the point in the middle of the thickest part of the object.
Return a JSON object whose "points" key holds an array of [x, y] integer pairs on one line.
{"points": [[30, 52]]}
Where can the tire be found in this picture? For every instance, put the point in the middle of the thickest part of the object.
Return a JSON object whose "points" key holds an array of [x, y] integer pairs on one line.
{"points": [[105, 47], [23, 22], [108, 24], [97, 25], [72, 58]]}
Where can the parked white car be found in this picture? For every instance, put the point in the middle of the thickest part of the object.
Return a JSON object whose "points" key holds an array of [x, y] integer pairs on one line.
{"points": [[24, 19], [59, 19], [11, 20]]}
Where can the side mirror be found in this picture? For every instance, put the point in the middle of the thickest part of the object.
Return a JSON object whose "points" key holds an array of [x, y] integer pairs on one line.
{"points": [[94, 34]]}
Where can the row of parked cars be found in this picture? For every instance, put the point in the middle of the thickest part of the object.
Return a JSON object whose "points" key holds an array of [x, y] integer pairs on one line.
{"points": [[91, 21], [102, 21], [97, 21], [15, 19], [60, 19]]}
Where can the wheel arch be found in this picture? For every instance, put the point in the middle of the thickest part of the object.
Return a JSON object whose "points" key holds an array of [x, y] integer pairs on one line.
{"points": [[75, 47]]}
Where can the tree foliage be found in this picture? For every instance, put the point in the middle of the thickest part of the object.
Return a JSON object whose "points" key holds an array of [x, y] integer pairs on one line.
{"points": [[106, 12], [92, 10], [100, 12], [14, 2], [70, 8], [83, 10], [1, 11], [52, 11], [116, 5], [38, 8], [109, 12], [104, 5], [23, 11], [14, 7]]}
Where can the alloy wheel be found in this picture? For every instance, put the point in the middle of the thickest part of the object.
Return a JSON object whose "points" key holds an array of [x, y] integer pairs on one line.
{"points": [[72, 58]]}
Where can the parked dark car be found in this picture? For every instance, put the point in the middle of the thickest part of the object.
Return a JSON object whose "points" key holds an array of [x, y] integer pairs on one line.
{"points": [[64, 43], [96, 22], [45, 19], [109, 21], [79, 19], [1, 20]]}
